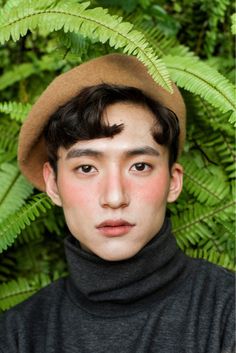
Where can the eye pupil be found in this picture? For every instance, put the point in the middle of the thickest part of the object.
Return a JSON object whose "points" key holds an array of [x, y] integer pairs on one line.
{"points": [[140, 166], [86, 168]]}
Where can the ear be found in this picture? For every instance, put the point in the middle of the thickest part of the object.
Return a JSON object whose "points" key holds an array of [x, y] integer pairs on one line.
{"points": [[176, 182], [51, 184]]}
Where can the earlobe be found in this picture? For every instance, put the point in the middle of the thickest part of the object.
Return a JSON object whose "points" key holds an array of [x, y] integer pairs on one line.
{"points": [[51, 184], [176, 182]]}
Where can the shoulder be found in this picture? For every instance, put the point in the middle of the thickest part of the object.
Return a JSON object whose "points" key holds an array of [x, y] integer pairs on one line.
{"points": [[209, 290], [213, 284], [212, 275], [30, 316], [36, 306], [212, 290]]}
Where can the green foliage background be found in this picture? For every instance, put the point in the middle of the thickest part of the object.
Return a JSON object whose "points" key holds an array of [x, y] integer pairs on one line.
{"points": [[190, 42]]}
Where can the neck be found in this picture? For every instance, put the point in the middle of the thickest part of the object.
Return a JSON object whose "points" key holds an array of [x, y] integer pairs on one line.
{"points": [[107, 287]]}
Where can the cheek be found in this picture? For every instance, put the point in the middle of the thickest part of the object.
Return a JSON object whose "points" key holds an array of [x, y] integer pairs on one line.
{"points": [[76, 195], [155, 190]]}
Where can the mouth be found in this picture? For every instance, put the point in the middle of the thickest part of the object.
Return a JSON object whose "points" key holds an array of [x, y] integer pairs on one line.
{"points": [[115, 228]]}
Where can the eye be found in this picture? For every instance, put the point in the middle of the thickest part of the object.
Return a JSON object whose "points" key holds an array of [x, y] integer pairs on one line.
{"points": [[86, 169], [141, 167]]}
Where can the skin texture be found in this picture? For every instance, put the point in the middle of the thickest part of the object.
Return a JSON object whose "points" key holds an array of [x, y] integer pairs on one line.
{"points": [[123, 178]]}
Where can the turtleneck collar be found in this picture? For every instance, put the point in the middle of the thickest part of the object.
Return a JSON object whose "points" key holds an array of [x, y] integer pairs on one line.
{"points": [[114, 287]]}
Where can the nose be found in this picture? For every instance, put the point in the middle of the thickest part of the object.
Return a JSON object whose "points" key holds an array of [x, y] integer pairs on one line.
{"points": [[114, 192]]}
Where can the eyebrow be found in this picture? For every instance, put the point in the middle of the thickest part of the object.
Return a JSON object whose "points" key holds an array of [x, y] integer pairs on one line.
{"points": [[79, 152], [145, 150], [88, 152]]}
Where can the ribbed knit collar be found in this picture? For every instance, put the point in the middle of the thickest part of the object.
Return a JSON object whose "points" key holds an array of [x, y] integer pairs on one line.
{"points": [[119, 287]]}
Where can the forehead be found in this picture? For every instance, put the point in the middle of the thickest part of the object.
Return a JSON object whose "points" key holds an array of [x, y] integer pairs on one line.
{"points": [[138, 124], [129, 113]]}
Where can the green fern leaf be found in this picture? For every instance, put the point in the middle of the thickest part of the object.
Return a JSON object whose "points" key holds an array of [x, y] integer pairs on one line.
{"points": [[233, 27], [224, 146], [17, 111], [198, 78], [15, 223], [6, 157], [14, 190], [93, 23], [16, 74], [10, 4], [199, 221], [161, 43], [208, 184], [6, 266], [9, 137], [75, 42], [222, 239], [216, 10], [218, 144], [14, 292], [20, 72], [53, 222], [32, 233]]}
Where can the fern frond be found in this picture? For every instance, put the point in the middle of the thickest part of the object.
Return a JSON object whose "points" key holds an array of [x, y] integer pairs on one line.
{"points": [[159, 41], [14, 292], [52, 222], [17, 111], [152, 34], [6, 157], [198, 78], [208, 184], [14, 190], [39, 256], [218, 145], [216, 10], [10, 4], [74, 42], [9, 136], [22, 71], [222, 64], [93, 23], [233, 20], [7, 264], [16, 74], [33, 233], [222, 145], [15, 223], [197, 222]]}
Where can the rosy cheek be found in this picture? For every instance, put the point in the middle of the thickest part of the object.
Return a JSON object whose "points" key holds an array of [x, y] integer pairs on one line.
{"points": [[74, 194], [154, 190]]}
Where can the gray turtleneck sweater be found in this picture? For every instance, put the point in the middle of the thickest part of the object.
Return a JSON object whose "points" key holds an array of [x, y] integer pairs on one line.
{"points": [[159, 301]]}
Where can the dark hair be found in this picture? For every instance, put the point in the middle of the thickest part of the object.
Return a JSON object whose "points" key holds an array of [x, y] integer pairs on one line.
{"points": [[81, 119]]}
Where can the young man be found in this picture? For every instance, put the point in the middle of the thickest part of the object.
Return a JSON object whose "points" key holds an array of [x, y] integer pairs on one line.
{"points": [[103, 142]]}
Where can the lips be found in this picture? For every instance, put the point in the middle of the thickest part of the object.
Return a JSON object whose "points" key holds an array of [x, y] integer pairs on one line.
{"points": [[115, 228]]}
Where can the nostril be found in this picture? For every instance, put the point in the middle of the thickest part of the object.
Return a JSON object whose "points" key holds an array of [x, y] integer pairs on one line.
{"points": [[114, 199]]}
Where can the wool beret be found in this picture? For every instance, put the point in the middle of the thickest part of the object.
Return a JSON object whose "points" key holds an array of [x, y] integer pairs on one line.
{"points": [[112, 69]]}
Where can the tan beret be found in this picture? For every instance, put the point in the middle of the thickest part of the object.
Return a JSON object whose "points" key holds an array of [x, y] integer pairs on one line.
{"points": [[113, 69]]}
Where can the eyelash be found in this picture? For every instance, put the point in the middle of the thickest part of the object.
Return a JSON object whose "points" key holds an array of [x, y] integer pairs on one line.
{"points": [[85, 166], [146, 166], [135, 165]]}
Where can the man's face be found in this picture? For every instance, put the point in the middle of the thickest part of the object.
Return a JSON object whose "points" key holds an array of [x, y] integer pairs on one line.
{"points": [[114, 190]]}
